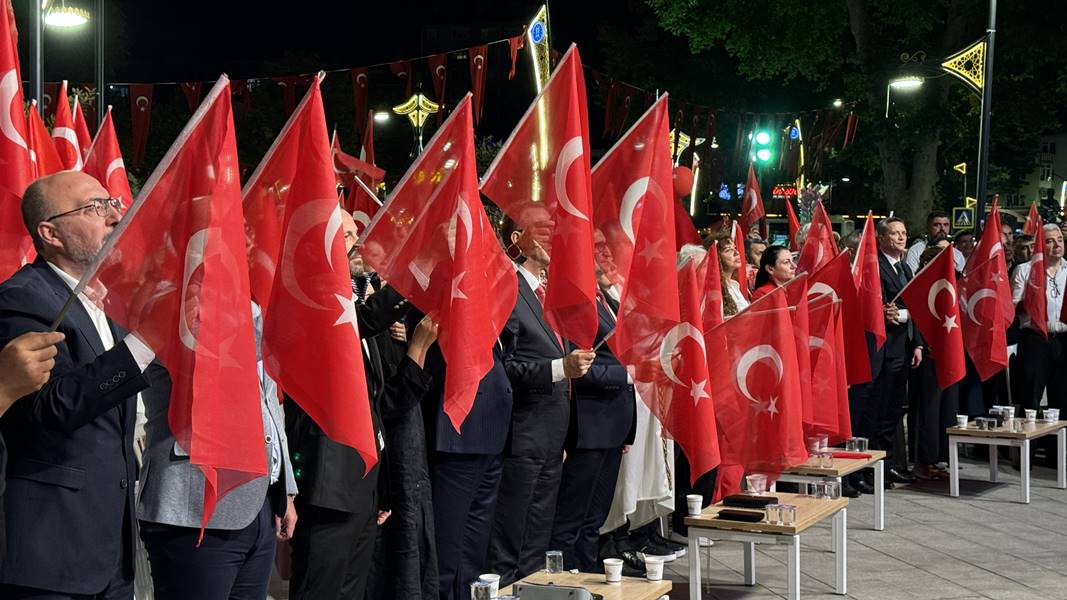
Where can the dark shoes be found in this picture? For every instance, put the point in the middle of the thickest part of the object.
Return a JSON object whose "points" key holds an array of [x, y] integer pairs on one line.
{"points": [[632, 565], [928, 472], [848, 490], [894, 475]]}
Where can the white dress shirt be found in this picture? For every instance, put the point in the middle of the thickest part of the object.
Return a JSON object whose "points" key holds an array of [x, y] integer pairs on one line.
{"points": [[1055, 287], [535, 282], [912, 257], [902, 313]]}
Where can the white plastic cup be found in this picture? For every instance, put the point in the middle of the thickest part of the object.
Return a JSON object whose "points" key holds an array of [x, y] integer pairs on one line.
{"points": [[961, 421], [696, 504], [1031, 415], [756, 483], [653, 568], [554, 561], [613, 570], [494, 583]]}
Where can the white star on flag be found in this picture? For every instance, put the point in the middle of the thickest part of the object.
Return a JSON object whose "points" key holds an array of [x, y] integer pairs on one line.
{"points": [[456, 292], [772, 406], [950, 323], [696, 391], [651, 251], [348, 313]]}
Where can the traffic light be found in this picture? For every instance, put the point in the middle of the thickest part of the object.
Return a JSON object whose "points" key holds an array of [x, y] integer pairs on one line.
{"points": [[761, 146]]}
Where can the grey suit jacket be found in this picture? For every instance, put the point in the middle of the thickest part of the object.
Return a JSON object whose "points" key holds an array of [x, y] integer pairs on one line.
{"points": [[172, 488]]}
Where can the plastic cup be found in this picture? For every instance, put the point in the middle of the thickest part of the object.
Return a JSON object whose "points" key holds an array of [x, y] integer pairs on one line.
{"points": [[756, 483], [774, 514], [1031, 415], [789, 514], [695, 503], [494, 583], [1052, 414], [653, 568], [833, 490], [826, 460], [481, 590], [613, 570], [961, 421], [861, 444], [554, 561]]}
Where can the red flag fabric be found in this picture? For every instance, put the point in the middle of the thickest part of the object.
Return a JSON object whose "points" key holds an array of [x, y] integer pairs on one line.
{"points": [[177, 277], [556, 187], [359, 97], [938, 320], [63, 134], [445, 258], [685, 232], [829, 376], [191, 91], [741, 274], [141, 112], [752, 207], [869, 283], [438, 64], [1035, 300], [819, 246], [288, 85], [47, 105], [104, 162], [514, 45], [983, 322], [835, 282], [756, 389], [402, 69], [42, 150], [361, 205], [796, 294], [629, 172], [1033, 221], [311, 343], [794, 225], [81, 127], [989, 247], [366, 149], [711, 301], [479, 65], [16, 168], [690, 412]]}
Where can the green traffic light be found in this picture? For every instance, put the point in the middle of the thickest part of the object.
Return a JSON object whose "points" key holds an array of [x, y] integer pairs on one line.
{"points": [[763, 138], [763, 154]]}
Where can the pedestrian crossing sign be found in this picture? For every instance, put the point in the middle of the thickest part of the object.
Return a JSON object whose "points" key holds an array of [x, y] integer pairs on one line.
{"points": [[962, 218]]}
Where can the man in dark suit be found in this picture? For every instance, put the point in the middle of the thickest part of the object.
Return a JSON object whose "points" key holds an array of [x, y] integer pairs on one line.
{"points": [[902, 350], [540, 371], [71, 465], [602, 421], [340, 507]]}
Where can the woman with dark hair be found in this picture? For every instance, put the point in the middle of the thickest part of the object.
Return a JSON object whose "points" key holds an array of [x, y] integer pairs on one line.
{"points": [[776, 267]]}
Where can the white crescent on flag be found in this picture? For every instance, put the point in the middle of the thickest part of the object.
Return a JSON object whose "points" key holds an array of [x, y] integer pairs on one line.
{"points": [[670, 342], [749, 359], [572, 151], [630, 198]]}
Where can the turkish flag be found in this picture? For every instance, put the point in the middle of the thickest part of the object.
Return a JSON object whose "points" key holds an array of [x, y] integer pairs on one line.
{"points": [[819, 246], [756, 389], [433, 242], [869, 283], [741, 274], [1035, 299], [989, 247], [689, 413], [81, 127], [16, 169], [42, 150], [835, 281], [630, 172], [983, 322], [796, 293], [311, 343], [794, 225], [178, 278], [360, 81], [829, 377], [479, 65], [684, 230], [752, 205], [68, 147], [938, 320], [141, 113], [347, 169], [711, 301], [104, 162], [191, 91], [542, 175], [49, 92], [402, 69], [1033, 221], [366, 148], [438, 64], [514, 45]]}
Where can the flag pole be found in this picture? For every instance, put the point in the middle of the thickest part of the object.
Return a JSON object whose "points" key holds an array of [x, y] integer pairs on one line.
{"points": [[367, 189]]}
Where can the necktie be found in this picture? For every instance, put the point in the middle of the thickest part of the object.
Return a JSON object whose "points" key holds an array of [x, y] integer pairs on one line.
{"points": [[540, 292], [899, 268]]}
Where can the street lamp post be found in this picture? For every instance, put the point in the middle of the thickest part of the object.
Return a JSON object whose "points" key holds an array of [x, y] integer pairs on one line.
{"points": [[987, 103], [65, 17]]}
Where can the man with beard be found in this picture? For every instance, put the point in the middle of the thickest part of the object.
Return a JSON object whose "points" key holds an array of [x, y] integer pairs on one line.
{"points": [[71, 464]]}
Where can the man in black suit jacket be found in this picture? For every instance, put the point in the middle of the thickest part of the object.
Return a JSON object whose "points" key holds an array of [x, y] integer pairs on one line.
{"points": [[71, 468], [540, 371], [603, 420], [902, 350], [339, 507]]}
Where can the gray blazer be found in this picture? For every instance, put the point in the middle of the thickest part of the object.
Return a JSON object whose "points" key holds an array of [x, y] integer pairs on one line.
{"points": [[172, 489]]}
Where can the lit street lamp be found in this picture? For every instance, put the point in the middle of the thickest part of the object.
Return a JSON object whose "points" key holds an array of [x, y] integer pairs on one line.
{"points": [[62, 16]]}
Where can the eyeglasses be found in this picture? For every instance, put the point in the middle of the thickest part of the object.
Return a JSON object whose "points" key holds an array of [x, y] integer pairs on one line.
{"points": [[101, 206]]}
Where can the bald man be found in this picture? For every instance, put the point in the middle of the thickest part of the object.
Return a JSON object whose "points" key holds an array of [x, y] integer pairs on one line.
{"points": [[71, 466]]}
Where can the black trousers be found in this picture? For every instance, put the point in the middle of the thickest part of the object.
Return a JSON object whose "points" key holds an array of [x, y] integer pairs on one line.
{"points": [[888, 394], [1041, 368], [585, 494], [227, 564], [525, 510], [705, 486], [464, 498], [333, 551], [930, 412]]}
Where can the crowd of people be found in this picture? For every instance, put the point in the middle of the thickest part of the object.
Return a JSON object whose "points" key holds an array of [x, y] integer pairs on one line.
{"points": [[538, 466]]}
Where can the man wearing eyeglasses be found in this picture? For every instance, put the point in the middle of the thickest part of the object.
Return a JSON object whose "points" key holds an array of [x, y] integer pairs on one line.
{"points": [[71, 467], [1042, 362]]}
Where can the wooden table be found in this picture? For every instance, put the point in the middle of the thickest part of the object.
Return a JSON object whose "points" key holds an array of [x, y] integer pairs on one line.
{"points": [[1004, 437], [631, 588], [809, 512], [842, 467]]}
